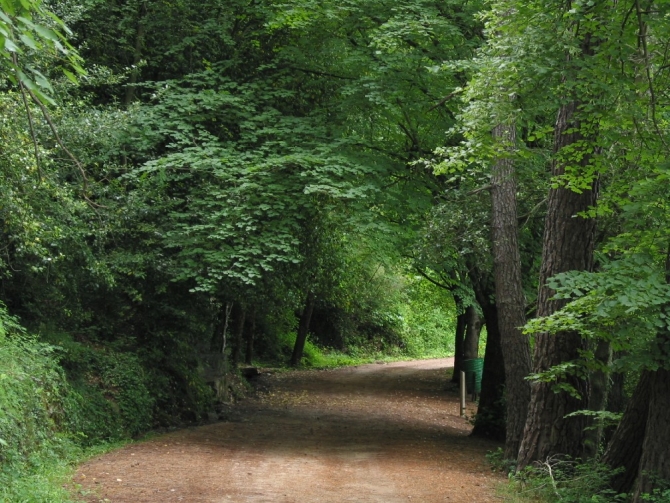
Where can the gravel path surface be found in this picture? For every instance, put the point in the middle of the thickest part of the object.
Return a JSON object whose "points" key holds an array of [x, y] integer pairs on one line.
{"points": [[381, 433]]}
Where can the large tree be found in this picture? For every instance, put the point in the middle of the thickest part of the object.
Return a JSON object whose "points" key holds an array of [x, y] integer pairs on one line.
{"points": [[510, 299], [567, 245]]}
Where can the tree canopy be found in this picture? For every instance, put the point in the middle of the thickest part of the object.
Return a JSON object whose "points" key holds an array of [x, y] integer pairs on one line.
{"points": [[185, 182]]}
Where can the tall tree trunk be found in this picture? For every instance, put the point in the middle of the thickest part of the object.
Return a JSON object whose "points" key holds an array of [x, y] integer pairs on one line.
{"points": [[490, 419], [249, 353], [567, 245], [221, 382], [510, 300], [598, 390], [137, 55], [303, 329], [654, 470], [240, 316], [461, 323], [616, 401], [625, 449], [474, 328], [225, 321]]}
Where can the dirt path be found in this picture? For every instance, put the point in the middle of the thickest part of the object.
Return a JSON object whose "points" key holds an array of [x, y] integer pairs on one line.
{"points": [[381, 433]]}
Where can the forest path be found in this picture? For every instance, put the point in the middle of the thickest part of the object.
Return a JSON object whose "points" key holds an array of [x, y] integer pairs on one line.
{"points": [[381, 433]]}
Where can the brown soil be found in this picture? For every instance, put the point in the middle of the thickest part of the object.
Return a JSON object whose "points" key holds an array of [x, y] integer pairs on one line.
{"points": [[380, 433]]}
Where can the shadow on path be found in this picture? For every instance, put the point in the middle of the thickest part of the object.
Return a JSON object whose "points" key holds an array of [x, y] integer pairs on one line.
{"points": [[374, 433]]}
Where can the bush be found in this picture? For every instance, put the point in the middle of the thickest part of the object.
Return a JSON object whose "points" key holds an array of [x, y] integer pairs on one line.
{"points": [[179, 389], [311, 354], [34, 443], [565, 480], [56, 398], [429, 317], [108, 398], [658, 496]]}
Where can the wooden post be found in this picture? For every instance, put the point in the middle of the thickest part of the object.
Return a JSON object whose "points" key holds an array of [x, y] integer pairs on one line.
{"points": [[462, 394]]}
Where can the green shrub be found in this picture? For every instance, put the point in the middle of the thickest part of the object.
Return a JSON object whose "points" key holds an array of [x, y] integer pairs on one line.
{"points": [[658, 496], [311, 355], [429, 317], [34, 445], [109, 397], [565, 480]]}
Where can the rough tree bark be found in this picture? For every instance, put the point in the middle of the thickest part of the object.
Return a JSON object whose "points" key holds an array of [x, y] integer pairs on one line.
{"points": [[249, 353], [625, 449], [490, 419], [303, 329], [598, 391], [510, 300], [654, 469], [567, 245], [616, 399], [472, 331], [461, 323]]}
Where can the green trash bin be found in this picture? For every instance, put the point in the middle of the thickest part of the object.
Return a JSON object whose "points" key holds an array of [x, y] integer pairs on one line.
{"points": [[473, 374]]}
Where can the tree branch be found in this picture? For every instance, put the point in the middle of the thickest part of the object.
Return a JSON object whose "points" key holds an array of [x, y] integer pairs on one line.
{"points": [[30, 120], [76, 161], [449, 288], [445, 99]]}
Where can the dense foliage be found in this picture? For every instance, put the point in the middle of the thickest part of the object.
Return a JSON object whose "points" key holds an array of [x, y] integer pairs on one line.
{"points": [[186, 186]]}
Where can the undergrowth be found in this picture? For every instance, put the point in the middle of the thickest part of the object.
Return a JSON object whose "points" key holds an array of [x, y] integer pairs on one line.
{"points": [[560, 479], [47, 423], [63, 398], [35, 445], [315, 356], [108, 395]]}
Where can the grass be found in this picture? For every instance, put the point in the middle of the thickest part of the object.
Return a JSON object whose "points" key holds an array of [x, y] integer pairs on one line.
{"points": [[51, 481], [559, 479], [323, 358]]}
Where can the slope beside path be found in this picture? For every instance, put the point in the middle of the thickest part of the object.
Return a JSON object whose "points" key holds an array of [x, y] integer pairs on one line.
{"points": [[381, 433]]}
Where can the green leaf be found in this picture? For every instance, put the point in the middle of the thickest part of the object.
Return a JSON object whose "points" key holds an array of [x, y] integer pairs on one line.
{"points": [[26, 22], [11, 46], [44, 98], [41, 80], [28, 40], [7, 7], [46, 33], [71, 77]]}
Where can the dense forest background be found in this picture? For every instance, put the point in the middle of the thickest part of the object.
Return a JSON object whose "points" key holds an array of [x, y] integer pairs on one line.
{"points": [[186, 187]]}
